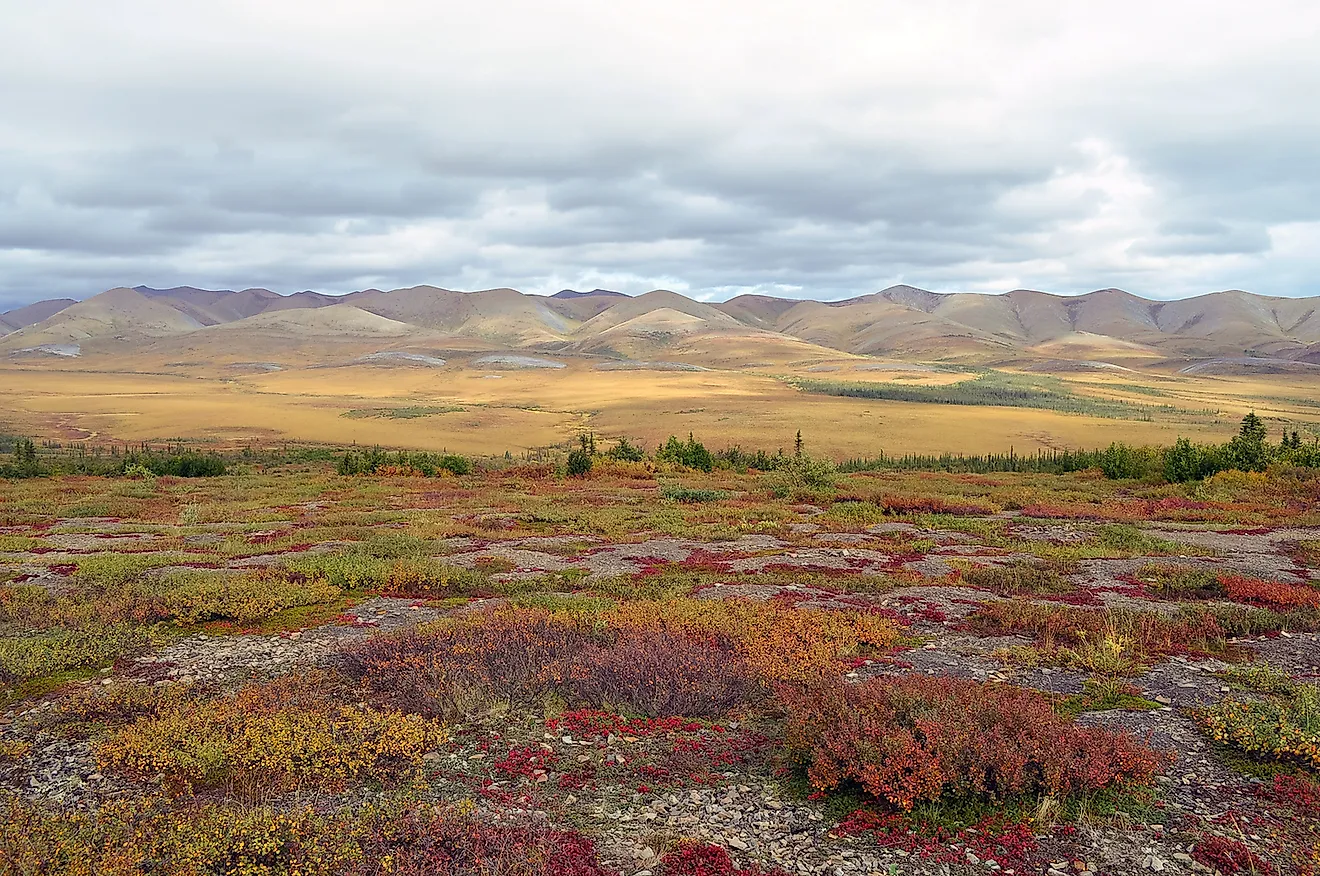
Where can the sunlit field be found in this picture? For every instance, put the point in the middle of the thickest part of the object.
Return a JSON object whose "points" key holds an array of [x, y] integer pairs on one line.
{"points": [[470, 410]]}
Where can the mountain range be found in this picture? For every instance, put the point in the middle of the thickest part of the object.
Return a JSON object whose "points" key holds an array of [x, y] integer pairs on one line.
{"points": [[899, 322]]}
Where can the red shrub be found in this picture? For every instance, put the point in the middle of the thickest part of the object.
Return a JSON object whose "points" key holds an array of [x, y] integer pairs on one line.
{"points": [[516, 657], [918, 738], [528, 761], [931, 505], [1300, 794], [424, 843], [511, 656], [1228, 856], [701, 859], [661, 673], [1269, 594]]}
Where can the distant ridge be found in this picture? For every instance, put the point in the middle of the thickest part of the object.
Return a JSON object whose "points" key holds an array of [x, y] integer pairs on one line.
{"points": [[1240, 329]]}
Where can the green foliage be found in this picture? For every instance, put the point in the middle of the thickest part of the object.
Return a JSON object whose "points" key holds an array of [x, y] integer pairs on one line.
{"points": [[740, 460], [579, 464], [993, 389], [1185, 461], [429, 464], [1042, 461], [411, 412], [1119, 461], [690, 454], [47, 652], [625, 451], [802, 476], [1110, 694], [25, 464], [179, 465]]}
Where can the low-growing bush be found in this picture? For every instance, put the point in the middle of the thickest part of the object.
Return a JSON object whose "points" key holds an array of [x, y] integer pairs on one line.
{"points": [[359, 570], [1180, 582], [660, 673], [801, 477], [778, 640], [401, 837], [702, 859], [193, 597], [678, 657], [1270, 594], [1282, 726], [916, 738], [268, 738], [1020, 578], [1226, 856], [516, 657], [511, 657], [39, 654], [1113, 641]]}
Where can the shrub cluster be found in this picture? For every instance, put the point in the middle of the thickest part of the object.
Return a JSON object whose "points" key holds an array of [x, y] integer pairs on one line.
{"points": [[517, 657], [915, 738], [268, 738], [1119, 641], [402, 837], [681, 657], [377, 461], [1283, 724]]}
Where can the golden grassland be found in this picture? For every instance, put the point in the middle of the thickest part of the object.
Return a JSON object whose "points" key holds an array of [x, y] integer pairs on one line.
{"points": [[518, 410]]}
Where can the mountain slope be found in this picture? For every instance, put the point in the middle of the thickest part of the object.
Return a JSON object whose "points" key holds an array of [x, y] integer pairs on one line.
{"points": [[901, 321], [120, 314], [22, 317]]}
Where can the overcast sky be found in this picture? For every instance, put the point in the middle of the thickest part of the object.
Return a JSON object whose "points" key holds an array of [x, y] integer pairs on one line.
{"points": [[809, 149]]}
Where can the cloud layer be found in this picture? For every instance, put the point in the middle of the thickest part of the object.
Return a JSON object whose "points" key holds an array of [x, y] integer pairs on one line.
{"points": [[802, 149]]}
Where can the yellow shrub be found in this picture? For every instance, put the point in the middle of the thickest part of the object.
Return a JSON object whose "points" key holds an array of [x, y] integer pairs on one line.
{"points": [[268, 738]]}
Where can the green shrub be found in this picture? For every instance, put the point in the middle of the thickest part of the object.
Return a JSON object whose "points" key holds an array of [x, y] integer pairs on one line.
{"points": [[50, 651], [802, 476], [579, 464], [690, 454]]}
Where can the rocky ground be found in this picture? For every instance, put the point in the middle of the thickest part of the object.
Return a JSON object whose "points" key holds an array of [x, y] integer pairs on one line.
{"points": [[750, 812]]}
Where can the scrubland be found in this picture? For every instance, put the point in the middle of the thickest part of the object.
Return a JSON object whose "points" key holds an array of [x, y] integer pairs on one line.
{"points": [[652, 668]]}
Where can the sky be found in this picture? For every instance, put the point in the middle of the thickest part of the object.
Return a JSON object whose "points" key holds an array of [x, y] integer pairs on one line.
{"points": [[818, 149]]}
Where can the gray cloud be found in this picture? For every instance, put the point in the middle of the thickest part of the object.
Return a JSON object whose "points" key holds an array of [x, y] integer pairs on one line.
{"points": [[818, 150]]}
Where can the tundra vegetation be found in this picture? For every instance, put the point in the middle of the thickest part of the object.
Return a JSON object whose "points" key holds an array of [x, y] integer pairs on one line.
{"points": [[687, 662]]}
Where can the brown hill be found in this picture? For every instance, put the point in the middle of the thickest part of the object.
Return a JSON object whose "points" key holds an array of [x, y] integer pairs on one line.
{"points": [[22, 317], [901, 321], [122, 315]]}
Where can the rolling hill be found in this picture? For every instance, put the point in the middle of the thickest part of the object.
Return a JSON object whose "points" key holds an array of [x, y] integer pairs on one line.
{"points": [[901, 322]]}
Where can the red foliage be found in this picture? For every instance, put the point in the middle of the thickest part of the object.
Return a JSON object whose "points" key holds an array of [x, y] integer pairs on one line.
{"points": [[701, 859], [1269, 594], [528, 761], [659, 672], [423, 843], [1009, 844], [917, 738], [931, 505], [516, 656], [1301, 794], [1229, 856]]}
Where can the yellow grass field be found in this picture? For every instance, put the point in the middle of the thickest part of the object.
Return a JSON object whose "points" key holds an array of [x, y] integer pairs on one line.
{"points": [[519, 410]]}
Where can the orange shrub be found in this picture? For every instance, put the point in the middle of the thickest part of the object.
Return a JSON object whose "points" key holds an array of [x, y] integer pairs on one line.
{"points": [[779, 641], [1269, 594]]}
